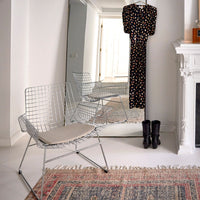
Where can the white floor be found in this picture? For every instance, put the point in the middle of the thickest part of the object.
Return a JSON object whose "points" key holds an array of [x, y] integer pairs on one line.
{"points": [[119, 152], [123, 129]]}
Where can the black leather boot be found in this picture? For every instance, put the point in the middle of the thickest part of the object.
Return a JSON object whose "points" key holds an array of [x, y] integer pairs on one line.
{"points": [[155, 134], [146, 133]]}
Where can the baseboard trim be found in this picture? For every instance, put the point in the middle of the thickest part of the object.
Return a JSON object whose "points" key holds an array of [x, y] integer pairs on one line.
{"points": [[168, 128], [7, 142], [16, 137]]}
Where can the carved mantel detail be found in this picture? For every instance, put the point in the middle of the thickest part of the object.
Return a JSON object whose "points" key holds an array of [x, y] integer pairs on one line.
{"points": [[185, 70], [184, 128], [185, 73]]}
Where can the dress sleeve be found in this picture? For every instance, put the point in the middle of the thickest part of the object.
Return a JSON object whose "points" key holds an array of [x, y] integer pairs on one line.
{"points": [[126, 19], [152, 23]]}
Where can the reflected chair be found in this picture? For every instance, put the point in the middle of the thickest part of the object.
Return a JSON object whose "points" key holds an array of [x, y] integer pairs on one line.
{"points": [[98, 91], [53, 119]]}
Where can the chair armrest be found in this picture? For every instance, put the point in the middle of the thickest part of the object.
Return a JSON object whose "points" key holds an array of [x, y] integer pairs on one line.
{"points": [[27, 126], [22, 123]]}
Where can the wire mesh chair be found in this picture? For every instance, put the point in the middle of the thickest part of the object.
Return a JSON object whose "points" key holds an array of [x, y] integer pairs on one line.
{"points": [[98, 91], [53, 119]]}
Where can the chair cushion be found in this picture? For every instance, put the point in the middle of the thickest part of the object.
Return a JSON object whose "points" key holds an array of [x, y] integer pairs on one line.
{"points": [[65, 134]]}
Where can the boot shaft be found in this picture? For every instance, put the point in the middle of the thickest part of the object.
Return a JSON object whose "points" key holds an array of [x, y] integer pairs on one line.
{"points": [[155, 127], [146, 133], [146, 127]]}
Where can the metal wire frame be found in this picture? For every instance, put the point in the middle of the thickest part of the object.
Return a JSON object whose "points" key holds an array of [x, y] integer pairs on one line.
{"points": [[49, 107], [97, 91]]}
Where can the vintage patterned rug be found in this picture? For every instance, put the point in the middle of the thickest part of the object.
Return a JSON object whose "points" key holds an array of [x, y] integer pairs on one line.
{"points": [[121, 184]]}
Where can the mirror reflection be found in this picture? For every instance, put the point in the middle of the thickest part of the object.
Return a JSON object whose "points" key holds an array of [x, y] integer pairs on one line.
{"points": [[98, 60]]}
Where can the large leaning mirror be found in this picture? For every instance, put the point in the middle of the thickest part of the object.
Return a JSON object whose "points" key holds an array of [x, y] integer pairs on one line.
{"points": [[98, 46]]}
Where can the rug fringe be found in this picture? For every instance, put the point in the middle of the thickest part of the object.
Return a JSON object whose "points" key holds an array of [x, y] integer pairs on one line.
{"points": [[67, 167], [159, 167]]}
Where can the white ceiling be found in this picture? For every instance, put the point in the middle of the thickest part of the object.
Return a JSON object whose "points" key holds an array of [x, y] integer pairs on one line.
{"points": [[109, 4]]}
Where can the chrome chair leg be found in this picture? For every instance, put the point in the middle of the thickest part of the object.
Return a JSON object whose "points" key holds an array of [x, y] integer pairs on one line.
{"points": [[90, 160], [27, 183], [21, 173], [24, 154], [104, 157], [123, 108], [43, 173], [77, 151], [96, 111]]}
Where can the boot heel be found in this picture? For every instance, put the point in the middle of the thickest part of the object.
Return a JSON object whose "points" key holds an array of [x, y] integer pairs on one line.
{"points": [[159, 142], [155, 134], [147, 142], [155, 142]]}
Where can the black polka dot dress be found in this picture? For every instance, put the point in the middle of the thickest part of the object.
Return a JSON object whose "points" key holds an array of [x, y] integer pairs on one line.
{"points": [[140, 22]]}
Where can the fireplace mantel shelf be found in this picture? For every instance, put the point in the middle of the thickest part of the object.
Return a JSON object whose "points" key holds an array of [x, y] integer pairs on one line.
{"points": [[184, 47], [188, 76]]}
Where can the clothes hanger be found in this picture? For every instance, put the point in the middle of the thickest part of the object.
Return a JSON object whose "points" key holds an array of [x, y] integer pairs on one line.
{"points": [[144, 3]]}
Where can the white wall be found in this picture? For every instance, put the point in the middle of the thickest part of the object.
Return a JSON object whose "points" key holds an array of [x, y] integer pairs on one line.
{"points": [[91, 38], [161, 62], [5, 42], [19, 64], [32, 52], [47, 41]]}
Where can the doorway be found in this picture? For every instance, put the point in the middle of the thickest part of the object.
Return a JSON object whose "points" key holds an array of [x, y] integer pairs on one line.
{"points": [[114, 51]]}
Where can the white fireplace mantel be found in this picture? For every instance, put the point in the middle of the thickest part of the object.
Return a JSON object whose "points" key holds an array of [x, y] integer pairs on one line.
{"points": [[188, 76]]}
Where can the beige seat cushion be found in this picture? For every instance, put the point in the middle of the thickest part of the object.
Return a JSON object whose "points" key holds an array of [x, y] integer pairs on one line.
{"points": [[65, 134]]}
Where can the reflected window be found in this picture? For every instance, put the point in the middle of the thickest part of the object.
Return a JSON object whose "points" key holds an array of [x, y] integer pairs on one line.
{"points": [[114, 51]]}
